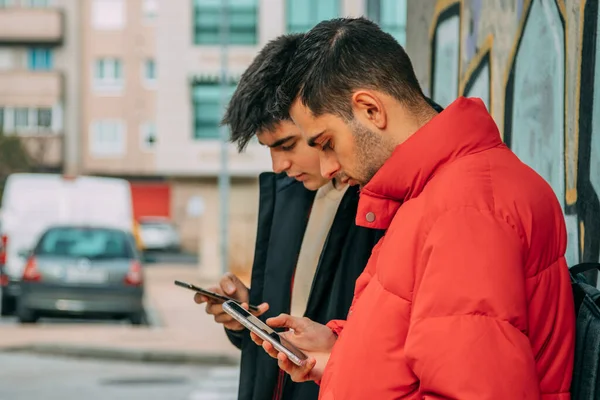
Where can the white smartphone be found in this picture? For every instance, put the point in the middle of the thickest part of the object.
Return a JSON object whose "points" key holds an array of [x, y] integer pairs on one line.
{"points": [[265, 332]]}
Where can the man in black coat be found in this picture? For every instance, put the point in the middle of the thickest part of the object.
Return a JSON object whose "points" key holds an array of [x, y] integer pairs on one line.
{"points": [[309, 252]]}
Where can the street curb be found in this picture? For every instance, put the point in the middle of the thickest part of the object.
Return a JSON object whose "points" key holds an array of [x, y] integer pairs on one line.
{"points": [[135, 355]]}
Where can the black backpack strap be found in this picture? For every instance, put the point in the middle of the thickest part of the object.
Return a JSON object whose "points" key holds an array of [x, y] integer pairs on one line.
{"points": [[581, 285], [583, 267]]}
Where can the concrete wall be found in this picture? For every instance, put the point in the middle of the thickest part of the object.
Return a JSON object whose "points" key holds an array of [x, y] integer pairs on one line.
{"points": [[199, 227], [536, 65]]}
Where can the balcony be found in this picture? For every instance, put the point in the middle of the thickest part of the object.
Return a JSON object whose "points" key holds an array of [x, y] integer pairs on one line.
{"points": [[27, 26], [30, 88]]}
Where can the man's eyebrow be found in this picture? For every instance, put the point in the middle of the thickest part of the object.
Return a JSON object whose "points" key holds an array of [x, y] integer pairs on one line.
{"points": [[278, 142], [313, 139]]}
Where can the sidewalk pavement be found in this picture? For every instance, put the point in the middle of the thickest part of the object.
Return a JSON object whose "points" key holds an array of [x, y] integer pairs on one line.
{"points": [[184, 332]]}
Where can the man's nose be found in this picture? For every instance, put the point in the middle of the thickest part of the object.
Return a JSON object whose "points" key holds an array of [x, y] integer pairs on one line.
{"points": [[329, 167], [280, 163]]}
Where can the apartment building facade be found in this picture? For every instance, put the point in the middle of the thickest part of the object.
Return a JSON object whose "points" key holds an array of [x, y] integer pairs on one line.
{"points": [[78, 86], [39, 79], [118, 71], [118, 93], [188, 54]]}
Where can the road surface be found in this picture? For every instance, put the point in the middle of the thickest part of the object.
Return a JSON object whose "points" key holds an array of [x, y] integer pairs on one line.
{"points": [[33, 377]]}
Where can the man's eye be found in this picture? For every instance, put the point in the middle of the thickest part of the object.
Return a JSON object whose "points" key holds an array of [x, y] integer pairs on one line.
{"points": [[326, 145], [288, 148]]}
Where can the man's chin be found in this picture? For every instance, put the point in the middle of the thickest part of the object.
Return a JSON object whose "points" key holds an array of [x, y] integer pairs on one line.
{"points": [[351, 182], [311, 185]]}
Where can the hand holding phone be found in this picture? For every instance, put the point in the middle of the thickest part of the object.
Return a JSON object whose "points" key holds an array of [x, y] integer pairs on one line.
{"points": [[216, 297], [230, 288], [313, 339], [265, 332]]}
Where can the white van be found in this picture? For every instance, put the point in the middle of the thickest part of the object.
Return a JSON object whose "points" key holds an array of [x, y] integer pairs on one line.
{"points": [[31, 203]]}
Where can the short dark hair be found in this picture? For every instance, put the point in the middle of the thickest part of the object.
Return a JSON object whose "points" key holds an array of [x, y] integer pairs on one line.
{"points": [[341, 55], [250, 109]]}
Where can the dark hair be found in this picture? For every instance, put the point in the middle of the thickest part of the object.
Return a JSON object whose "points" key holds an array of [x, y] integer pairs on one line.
{"points": [[250, 109], [341, 55]]}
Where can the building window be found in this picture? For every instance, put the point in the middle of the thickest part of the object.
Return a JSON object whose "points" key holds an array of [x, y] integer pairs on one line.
{"points": [[39, 59], [302, 15], [242, 16], [108, 14], [150, 72], [207, 108], [32, 120], [7, 59], [390, 15], [21, 118], [44, 118], [108, 74], [107, 138], [150, 10], [148, 136]]}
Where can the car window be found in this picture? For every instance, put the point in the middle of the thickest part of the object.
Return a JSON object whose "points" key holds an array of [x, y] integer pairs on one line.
{"points": [[92, 243]]}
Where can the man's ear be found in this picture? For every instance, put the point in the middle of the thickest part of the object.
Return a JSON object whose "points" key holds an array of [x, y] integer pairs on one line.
{"points": [[367, 106]]}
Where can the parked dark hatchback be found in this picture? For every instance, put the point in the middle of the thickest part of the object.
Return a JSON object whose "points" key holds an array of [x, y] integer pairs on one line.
{"points": [[83, 272]]}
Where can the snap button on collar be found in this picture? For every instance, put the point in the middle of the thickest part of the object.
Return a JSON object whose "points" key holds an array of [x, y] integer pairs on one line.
{"points": [[370, 217]]}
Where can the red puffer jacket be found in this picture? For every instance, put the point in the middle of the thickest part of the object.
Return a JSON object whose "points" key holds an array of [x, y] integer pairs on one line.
{"points": [[468, 295]]}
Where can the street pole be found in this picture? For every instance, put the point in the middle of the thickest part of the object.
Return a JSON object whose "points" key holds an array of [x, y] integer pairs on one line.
{"points": [[224, 181]]}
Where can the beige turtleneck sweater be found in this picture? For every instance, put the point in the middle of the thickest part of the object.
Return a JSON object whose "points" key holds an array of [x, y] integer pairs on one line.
{"points": [[324, 208]]}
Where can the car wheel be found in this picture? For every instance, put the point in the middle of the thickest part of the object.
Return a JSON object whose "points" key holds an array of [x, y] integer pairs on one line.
{"points": [[138, 318], [27, 316], [8, 305]]}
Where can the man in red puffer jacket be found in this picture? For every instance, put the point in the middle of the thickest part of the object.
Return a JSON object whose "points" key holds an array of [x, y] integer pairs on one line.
{"points": [[468, 294]]}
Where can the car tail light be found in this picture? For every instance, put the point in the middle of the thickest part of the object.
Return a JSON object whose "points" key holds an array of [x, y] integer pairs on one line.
{"points": [[134, 276], [31, 272], [3, 280], [3, 243]]}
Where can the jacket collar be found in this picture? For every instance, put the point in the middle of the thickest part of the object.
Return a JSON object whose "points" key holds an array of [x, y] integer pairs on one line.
{"points": [[464, 127]]}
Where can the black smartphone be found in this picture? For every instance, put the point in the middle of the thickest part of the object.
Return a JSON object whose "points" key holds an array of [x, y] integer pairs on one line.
{"points": [[212, 295]]}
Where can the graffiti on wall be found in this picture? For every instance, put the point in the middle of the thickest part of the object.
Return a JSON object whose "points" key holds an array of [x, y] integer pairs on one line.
{"points": [[445, 53], [534, 103], [477, 80], [533, 97]]}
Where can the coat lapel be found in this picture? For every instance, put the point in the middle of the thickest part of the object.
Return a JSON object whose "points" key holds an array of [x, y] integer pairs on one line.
{"points": [[331, 253], [287, 233]]}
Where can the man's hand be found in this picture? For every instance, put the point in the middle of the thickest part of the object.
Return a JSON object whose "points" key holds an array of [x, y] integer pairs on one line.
{"points": [[315, 340], [230, 286]]}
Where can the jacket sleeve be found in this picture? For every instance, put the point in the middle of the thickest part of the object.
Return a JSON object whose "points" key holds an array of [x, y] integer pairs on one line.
{"points": [[467, 336], [236, 337]]}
